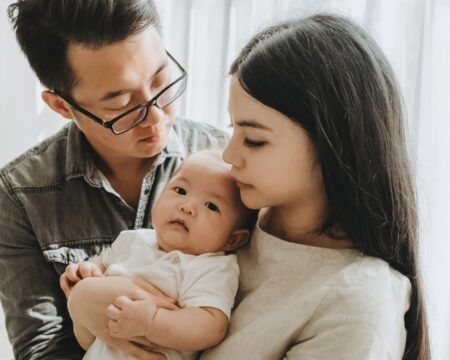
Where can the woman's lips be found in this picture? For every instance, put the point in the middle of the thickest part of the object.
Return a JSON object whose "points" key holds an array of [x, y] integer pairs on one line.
{"points": [[242, 185]]}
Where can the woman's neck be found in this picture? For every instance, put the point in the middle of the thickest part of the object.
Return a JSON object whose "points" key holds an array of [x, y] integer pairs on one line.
{"points": [[300, 226]]}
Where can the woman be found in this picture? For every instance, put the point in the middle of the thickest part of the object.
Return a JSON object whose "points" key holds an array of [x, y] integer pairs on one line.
{"points": [[331, 271], [318, 143]]}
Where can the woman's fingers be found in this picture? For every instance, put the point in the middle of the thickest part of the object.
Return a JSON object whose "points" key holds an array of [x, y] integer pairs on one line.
{"points": [[72, 272], [88, 269], [65, 284], [161, 299], [165, 303], [146, 286], [141, 354]]}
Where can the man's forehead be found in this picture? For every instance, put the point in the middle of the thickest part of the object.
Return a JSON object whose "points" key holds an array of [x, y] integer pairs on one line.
{"points": [[117, 66]]}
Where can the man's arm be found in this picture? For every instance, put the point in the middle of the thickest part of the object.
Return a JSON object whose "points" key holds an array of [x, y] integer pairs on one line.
{"points": [[35, 308]]}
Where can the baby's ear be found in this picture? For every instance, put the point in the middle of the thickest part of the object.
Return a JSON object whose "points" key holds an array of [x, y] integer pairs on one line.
{"points": [[237, 239]]}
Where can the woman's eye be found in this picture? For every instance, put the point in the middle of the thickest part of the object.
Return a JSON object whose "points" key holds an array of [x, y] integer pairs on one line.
{"points": [[212, 207], [180, 190], [252, 143]]}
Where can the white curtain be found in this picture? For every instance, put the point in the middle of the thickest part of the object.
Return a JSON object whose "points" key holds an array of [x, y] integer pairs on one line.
{"points": [[205, 36]]}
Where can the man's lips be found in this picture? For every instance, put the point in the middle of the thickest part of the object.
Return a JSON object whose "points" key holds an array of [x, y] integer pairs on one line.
{"points": [[150, 139], [180, 223]]}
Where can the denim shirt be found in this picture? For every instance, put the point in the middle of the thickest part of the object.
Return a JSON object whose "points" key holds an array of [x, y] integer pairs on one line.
{"points": [[57, 208]]}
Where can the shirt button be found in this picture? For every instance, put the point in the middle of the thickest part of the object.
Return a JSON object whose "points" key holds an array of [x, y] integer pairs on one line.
{"points": [[175, 260]]}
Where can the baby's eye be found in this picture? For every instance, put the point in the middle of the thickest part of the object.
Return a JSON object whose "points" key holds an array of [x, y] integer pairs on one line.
{"points": [[180, 190], [212, 207]]}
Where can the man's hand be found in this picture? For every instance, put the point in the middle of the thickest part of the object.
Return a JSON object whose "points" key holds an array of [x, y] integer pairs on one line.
{"points": [[132, 316], [75, 272]]}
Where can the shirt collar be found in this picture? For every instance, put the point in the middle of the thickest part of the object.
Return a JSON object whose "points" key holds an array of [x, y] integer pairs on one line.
{"points": [[79, 160]]}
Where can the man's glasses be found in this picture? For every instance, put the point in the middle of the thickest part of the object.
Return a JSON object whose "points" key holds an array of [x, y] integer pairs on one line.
{"points": [[137, 114]]}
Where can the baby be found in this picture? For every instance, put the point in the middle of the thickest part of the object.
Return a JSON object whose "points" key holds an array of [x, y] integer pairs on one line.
{"points": [[197, 219]]}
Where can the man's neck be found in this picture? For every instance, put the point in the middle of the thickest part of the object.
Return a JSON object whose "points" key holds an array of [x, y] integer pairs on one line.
{"points": [[125, 176]]}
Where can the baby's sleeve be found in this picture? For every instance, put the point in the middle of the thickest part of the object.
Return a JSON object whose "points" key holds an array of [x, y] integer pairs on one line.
{"points": [[210, 281]]}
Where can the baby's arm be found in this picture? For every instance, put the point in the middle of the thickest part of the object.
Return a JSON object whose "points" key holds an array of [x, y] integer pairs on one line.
{"points": [[71, 276], [190, 329]]}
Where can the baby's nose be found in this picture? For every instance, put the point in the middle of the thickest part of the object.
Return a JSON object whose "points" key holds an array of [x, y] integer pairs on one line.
{"points": [[188, 208]]}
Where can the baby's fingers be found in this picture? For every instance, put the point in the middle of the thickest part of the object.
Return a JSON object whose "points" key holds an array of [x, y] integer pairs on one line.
{"points": [[112, 312]]}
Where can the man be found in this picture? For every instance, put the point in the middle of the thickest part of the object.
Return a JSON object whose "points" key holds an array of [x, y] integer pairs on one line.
{"points": [[107, 72]]}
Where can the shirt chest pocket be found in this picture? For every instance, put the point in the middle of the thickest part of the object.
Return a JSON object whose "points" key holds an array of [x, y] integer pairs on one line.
{"points": [[62, 255]]}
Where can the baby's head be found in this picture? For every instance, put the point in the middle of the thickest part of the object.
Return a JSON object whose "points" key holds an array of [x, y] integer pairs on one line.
{"points": [[200, 210]]}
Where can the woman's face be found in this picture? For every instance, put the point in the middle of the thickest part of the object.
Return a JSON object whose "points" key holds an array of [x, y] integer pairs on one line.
{"points": [[273, 160]]}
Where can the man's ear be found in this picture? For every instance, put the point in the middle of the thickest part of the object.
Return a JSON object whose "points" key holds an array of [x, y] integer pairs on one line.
{"points": [[237, 239], [57, 104]]}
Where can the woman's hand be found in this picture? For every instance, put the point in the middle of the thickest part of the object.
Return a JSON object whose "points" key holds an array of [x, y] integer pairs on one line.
{"points": [[76, 272]]}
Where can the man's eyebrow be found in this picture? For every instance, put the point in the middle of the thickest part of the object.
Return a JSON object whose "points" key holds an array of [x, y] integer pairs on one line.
{"points": [[111, 94], [252, 124]]}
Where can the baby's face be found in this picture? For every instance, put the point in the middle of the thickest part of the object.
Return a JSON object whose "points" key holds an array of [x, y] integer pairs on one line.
{"points": [[199, 208]]}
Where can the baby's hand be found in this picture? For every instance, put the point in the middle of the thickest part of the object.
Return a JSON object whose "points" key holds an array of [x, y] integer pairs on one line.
{"points": [[76, 272], [131, 317]]}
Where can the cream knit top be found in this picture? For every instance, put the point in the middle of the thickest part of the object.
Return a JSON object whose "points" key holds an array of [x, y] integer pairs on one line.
{"points": [[305, 302]]}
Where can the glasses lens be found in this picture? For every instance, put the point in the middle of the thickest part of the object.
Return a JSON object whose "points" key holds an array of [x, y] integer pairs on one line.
{"points": [[129, 120], [171, 94]]}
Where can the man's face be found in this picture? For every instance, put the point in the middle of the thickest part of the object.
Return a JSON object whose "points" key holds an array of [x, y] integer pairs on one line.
{"points": [[114, 78], [200, 207]]}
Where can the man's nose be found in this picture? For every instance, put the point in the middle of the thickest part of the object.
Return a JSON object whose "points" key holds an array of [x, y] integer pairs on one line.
{"points": [[154, 114]]}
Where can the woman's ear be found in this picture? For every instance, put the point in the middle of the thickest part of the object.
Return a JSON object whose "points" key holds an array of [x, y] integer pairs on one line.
{"points": [[237, 239], [57, 104]]}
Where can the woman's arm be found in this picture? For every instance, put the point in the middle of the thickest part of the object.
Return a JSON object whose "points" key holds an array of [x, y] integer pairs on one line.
{"points": [[191, 329]]}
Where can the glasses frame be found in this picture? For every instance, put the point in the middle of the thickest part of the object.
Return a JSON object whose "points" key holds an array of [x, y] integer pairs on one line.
{"points": [[153, 101]]}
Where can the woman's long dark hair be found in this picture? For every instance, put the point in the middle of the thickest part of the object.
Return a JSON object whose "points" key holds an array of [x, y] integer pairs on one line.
{"points": [[329, 76]]}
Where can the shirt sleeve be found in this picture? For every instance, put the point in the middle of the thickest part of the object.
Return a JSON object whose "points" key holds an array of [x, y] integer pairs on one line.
{"points": [[360, 321], [210, 281], [35, 309]]}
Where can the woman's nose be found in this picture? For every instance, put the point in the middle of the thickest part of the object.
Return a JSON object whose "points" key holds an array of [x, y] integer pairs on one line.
{"points": [[232, 155]]}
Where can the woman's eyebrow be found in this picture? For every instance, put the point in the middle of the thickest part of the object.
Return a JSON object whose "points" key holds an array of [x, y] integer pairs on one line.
{"points": [[252, 124]]}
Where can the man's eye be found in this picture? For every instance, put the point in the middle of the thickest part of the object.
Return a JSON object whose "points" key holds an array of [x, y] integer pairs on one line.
{"points": [[158, 86], [212, 207], [180, 190], [253, 143]]}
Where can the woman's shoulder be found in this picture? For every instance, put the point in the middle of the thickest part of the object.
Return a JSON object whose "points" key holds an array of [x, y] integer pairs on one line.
{"points": [[372, 286]]}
